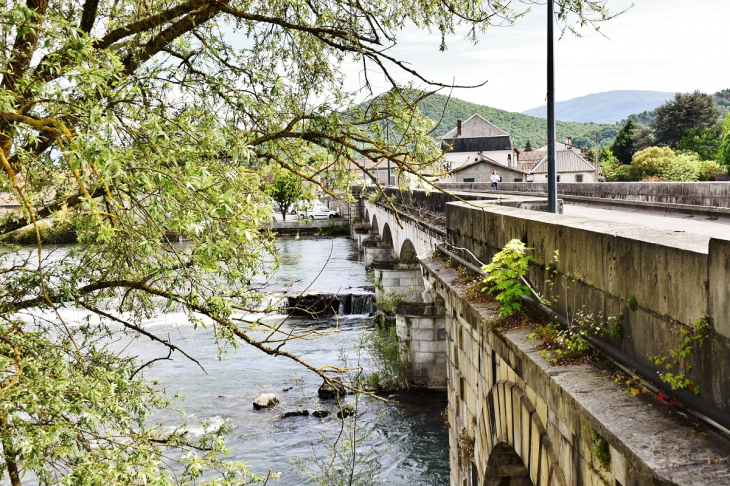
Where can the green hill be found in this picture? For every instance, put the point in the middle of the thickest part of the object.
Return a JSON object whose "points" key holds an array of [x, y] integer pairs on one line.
{"points": [[647, 118], [521, 127]]}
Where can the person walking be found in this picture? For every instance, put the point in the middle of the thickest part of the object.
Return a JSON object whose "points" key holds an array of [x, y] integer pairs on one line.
{"points": [[495, 179]]}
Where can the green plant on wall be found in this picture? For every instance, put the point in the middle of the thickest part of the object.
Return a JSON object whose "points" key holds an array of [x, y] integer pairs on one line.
{"points": [[600, 448], [504, 276], [671, 360], [466, 443], [384, 349], [391, 299]]}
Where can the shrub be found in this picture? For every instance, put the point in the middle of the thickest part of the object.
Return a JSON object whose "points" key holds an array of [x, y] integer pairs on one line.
{"points": [[684, 168], [622, 173], [709, 168], [650, 161], [505, 274]]}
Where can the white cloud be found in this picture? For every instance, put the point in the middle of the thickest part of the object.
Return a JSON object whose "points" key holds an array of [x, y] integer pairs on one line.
{"points": [[661, 45]]}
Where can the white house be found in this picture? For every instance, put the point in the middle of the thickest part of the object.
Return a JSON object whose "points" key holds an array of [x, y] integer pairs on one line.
{"points": [[569, 166], [477, 137]]}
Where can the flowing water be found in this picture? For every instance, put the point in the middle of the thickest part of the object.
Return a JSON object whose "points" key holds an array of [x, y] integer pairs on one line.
{"points": [[409, 439]]}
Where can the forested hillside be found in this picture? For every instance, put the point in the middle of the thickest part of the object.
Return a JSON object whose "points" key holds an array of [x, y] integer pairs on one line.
{"points": [[722, 98], [521, 127]]}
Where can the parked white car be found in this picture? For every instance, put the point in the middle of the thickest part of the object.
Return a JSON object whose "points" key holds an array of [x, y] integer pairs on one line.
{"points": [[318, 212]]}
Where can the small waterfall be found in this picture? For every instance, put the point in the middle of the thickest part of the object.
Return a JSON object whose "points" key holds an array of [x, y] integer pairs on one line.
{"points": [[316, 305], [361, 304]]}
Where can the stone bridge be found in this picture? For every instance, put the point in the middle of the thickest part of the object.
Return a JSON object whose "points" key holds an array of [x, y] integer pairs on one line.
{"points": [[514, 417]]}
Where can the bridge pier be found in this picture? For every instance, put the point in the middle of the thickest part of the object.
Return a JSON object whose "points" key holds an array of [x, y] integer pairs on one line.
{"points": [[374, 249], [420, 321], [421, 324], [360, 236]]}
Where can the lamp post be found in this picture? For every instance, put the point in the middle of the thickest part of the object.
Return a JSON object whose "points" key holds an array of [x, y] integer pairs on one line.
{"points": [[552, 203]]}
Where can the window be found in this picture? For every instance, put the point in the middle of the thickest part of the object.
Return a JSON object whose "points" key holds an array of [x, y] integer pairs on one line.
{"points": [[468, 179], [579, 178], [558, 179]]}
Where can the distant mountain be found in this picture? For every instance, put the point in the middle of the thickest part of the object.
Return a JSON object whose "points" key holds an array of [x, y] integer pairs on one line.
{"points": [[647, 118], [608, 107], [521, 127]]}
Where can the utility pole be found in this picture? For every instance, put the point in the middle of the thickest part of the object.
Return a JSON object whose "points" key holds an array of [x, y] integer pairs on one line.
{"points": [[552, 205], [387, 141], [597, 166]]}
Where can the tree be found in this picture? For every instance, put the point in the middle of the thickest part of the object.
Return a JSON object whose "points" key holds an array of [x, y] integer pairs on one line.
{"points": [[285, 190], [643, 139], [685, 112], [623, 146], [700, 140], [723, 152], [159, 118], [609, 163], [528, 147]]}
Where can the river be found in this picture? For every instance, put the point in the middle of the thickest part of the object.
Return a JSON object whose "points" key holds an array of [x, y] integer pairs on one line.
{"points": [[409, 439]]}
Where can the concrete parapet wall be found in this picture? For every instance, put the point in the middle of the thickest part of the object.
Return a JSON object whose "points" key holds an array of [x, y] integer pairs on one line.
{"points": [[655, 280], [529, 418], [712, 194]]}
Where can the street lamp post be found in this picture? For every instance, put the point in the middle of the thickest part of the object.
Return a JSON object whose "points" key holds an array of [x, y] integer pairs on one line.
{"points": [[552, 173]]}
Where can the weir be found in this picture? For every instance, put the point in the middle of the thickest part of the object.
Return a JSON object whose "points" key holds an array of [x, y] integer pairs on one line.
{"points": [[516, 418], [317, 305]]}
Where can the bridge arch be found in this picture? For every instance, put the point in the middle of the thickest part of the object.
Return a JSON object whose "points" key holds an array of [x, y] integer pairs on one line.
{"points": [[386, 237], [408, 253], [505, 468], [510, 428], [374, 224]]}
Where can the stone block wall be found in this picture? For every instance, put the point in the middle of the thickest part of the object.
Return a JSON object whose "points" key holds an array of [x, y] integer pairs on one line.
{"points": [[535, 423], [421, 326], [656, 281]]}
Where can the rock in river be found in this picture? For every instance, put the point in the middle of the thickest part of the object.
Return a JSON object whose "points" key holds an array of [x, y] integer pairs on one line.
{"points": [[296, 413], [346, 411], [327, 391], [265, 400]]}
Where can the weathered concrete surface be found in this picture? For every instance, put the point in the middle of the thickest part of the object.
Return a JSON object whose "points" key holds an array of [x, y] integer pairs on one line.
{"points": [[667, 274], [711, 194], [510, 398], [698, 224]]}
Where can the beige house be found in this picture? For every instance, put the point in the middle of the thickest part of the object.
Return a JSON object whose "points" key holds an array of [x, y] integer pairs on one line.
{"points": [[481, 170]]}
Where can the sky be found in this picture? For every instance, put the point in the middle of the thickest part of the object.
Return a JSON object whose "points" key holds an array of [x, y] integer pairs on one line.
{"points": [[657, 45]]}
